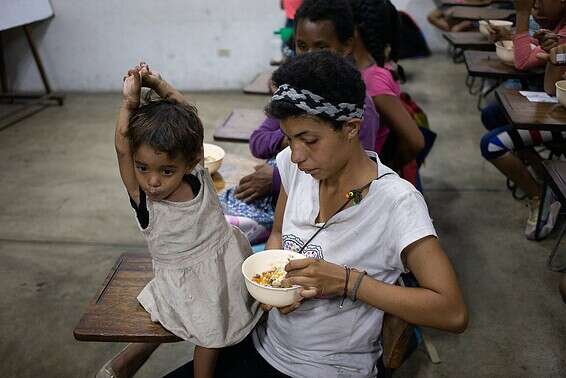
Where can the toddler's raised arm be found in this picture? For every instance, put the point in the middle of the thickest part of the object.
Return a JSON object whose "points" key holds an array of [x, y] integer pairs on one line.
{"points": [[130, 102]]}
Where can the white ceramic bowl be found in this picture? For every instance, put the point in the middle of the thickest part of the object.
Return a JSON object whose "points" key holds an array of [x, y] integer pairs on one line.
{"points": [[504, 51], [561, 92], [484, 29], [213, 157], [262, 262]]}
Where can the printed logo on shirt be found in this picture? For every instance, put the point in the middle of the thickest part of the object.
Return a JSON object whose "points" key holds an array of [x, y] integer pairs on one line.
{"points": [[294, 243]]}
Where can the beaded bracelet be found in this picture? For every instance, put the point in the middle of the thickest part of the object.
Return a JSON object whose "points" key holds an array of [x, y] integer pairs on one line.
{"points": [[345, 294]]}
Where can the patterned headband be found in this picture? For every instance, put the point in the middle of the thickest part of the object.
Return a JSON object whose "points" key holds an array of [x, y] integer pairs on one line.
{"points": [[315, 105]]}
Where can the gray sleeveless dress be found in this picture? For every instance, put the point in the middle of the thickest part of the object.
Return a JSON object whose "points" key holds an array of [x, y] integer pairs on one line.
{"points": [[198, 292]]}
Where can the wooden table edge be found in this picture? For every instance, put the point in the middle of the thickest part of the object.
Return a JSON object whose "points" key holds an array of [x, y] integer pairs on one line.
{"points": [[79, 333]]}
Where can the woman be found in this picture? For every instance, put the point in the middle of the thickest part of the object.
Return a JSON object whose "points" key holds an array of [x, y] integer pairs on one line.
{"points": [[356, 245]]}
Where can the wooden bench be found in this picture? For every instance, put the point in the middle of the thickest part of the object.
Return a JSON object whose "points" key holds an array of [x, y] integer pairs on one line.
{"points": [[487, 65], [468, 41], [463, 3], [114, 314], [477, 13], [239, 125], [466, 3], [261, 85]]}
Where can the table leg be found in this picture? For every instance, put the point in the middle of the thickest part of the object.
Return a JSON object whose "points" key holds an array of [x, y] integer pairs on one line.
{"points": [[549, 263], [470, 80], [3, 77], [458, 56], [37, 58], [484, 93]]}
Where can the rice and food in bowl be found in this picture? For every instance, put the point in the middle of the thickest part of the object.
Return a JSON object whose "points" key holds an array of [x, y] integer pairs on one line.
{"points": [[263, 273]]}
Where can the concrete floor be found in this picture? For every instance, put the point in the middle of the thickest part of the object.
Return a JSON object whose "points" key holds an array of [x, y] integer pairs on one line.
{"points": [[65, 218]]}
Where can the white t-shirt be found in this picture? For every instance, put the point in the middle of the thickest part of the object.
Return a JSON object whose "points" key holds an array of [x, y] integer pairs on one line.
{"points": [[319, 339]]}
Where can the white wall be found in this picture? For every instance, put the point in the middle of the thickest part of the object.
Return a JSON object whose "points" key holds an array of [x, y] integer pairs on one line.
{"points": [[419, 10], [89, 44]]}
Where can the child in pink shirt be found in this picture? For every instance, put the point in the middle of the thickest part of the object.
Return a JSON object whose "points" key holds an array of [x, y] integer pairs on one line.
{"points": [[379, 82], [376, 48], [550, 15]]}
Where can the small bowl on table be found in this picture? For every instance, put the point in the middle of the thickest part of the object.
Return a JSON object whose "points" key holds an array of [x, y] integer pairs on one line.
{"points": [[265, 261], [485, 25], [505, 53], [561, 92], [213, 157]]}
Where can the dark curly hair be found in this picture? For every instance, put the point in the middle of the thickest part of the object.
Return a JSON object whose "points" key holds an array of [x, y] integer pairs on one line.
{"points": [[323, 73], [336, 11], [379, 25], [168, 127]]}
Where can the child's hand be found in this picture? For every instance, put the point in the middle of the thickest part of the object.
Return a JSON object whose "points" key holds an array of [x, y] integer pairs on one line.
{"points": [[547, 39], [150, 79], [499, 33], [131, 89], [556, 56]]}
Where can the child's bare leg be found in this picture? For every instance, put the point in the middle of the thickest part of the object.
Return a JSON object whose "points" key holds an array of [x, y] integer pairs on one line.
{"points": [[437, 18], [204, 361], [513, 168], [131, 359], [462, 26]]}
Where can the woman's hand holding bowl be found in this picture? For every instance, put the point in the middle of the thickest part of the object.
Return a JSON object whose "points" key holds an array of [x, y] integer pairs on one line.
{"points": [[317, 278]]}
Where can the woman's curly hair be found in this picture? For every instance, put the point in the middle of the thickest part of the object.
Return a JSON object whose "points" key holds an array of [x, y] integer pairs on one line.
{"points": [[323, 73]]}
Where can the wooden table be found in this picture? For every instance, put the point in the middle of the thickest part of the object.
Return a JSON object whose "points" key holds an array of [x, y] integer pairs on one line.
{"points": [[261, 85], [468, 41], [239, 125], [477, 13], [524, 114], [464, 3], [556, 171], [487, 65], [114, 314]]}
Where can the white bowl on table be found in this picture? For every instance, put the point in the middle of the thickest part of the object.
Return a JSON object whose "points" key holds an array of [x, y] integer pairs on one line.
{"points": [[213, 157], [484, 26], [561, 92], [504, 51], [262, 262]]}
